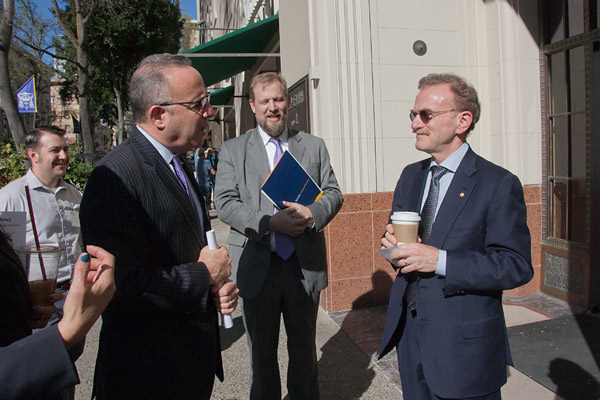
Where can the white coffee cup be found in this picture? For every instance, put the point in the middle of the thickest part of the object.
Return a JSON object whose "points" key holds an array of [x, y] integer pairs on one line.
{"points": [[406, 226]]}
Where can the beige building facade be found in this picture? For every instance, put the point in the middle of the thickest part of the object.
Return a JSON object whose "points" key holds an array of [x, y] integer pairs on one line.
{"points": [[536, 68]]}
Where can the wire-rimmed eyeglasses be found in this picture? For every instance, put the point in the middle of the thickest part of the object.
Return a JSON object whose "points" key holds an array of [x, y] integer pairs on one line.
{"points": [[197, 105]]}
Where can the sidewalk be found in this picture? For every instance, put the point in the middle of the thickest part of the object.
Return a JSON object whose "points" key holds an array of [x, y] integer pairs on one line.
{"points": [[347, 343]]}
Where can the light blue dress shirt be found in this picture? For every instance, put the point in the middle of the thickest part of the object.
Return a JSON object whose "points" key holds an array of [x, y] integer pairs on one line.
{"points": [[451, 164]]}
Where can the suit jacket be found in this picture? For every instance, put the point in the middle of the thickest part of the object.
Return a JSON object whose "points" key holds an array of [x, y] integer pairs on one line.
{"points": [[33, 366], [482, 224], [159, 332], [243, 167]]}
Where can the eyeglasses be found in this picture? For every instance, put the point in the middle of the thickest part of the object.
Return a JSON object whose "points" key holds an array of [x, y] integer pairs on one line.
{"points": [[194, 105], [426, 116]]}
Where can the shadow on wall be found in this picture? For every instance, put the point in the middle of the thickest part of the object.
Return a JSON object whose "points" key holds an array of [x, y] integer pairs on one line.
{"points": [[528, 12]]}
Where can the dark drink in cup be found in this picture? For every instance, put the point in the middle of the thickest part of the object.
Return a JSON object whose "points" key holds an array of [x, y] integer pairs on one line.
{"points": [[41, 283]]}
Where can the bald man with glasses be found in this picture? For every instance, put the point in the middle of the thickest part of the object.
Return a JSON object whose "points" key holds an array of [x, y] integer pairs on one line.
{"points": [[160, 334], [445, 313]]}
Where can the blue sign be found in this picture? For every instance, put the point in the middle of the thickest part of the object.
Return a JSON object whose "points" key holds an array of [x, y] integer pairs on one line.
{"points": [[26, 97]]}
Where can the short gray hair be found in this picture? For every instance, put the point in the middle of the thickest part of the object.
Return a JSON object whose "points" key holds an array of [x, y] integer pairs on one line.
{"points": [[465, 95], [149, 85]]}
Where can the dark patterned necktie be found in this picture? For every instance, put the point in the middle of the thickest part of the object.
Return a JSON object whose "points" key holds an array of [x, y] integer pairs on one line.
{"points": [[427, 218], [284, 245]]}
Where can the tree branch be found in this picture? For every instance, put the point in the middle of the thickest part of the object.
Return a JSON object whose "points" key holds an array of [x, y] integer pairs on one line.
{"points": [[67, 32], [36, 48]]}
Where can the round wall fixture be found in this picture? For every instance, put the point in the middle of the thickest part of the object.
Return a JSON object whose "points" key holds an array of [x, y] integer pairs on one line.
{"points": [[420, 48]]}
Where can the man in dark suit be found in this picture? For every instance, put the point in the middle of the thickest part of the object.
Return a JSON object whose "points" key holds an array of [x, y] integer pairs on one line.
{"points": [[279, 260], [159, 337], [445, 310]]}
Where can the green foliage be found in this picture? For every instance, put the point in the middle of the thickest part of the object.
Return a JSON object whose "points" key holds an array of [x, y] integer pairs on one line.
{"points": [[119, 34], [79, 171], [12, 162]]}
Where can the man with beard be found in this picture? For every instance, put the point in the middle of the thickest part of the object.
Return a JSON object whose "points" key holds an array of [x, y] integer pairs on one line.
{"points": [[279, 258]]}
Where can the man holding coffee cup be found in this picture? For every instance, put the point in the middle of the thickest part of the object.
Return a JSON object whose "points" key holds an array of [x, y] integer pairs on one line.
{"points": [[445, 311]]}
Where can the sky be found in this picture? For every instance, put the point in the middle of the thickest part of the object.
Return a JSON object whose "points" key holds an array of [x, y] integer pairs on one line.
{"points": [[187, 6]]}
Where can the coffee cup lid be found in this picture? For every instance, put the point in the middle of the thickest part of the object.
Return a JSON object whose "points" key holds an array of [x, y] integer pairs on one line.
{"points": [[406, 216]]}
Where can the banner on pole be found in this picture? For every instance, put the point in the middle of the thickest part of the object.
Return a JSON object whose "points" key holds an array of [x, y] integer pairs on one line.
{"points": [[76, 127], [26, 97]]}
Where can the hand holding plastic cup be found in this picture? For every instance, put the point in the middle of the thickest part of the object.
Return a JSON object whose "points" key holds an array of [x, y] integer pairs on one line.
{"points": [[41, 266], [406, 226]]}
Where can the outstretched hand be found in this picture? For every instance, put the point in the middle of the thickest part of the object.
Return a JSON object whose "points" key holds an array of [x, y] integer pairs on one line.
{"points": [[91, 290]]}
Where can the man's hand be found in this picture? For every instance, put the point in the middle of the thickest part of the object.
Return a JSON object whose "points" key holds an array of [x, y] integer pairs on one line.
{"points": [[226, 297], [91, 290], [416, 257], [218, 264], [292, 221]]}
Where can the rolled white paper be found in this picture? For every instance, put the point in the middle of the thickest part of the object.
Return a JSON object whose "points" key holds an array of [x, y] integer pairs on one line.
{"points": [[211, 240]]}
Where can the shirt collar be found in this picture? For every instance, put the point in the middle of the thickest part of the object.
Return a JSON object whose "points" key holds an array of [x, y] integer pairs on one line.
{"points": [[34, 182], [265, 136], [453, 161], [164, 152]]}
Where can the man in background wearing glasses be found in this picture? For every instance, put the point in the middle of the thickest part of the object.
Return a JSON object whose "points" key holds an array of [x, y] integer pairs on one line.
{"points": [[159, 337], [445, 312]]}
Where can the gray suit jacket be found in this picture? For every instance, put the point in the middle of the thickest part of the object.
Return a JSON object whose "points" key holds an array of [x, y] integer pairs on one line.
{"points": [[243, 167]]}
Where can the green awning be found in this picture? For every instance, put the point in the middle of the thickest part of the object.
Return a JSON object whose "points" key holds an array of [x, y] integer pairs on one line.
{"points": [[235, 52], [221, 97]]}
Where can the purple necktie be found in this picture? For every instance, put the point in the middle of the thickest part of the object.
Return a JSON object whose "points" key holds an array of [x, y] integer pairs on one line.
{"points": [[181, 177], [180, 174], [284, 245]]}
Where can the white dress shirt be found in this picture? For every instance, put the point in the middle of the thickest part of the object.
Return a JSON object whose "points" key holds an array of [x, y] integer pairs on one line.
{"points": [[56, 212], [270, 147]]}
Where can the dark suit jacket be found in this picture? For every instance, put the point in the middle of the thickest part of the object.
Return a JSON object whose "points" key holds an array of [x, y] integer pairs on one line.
{"points": [[31, 366], [243, 167], [482, 224], [159, 335]]}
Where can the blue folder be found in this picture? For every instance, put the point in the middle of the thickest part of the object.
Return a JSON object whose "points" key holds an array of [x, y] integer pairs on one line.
{"points": [[289, 181]]}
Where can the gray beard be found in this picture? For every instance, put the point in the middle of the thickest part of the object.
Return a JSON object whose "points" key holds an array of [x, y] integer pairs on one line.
{"points": [[274, 132]]}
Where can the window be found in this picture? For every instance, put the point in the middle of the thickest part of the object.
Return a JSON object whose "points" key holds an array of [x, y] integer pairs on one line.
{"points": [[566, 110]]}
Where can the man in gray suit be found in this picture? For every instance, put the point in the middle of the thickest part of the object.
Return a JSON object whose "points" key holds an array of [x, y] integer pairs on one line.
{"points": [[279, 259]]}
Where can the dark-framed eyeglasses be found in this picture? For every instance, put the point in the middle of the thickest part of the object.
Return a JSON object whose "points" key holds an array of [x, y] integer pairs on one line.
{"points": [[197, 106], [426, 116]]}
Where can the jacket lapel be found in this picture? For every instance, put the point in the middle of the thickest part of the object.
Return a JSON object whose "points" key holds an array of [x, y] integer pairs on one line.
{"points": [[167, 178], [294, 145], [257, 169], [456, 197], [418, 186]]}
